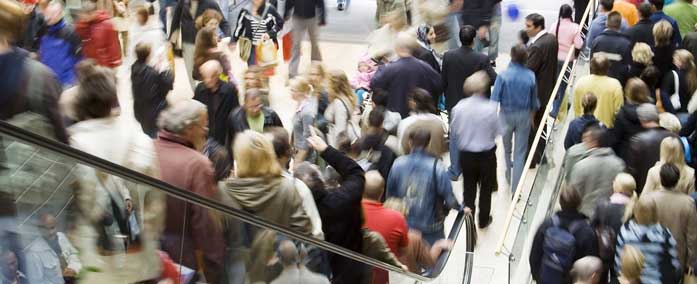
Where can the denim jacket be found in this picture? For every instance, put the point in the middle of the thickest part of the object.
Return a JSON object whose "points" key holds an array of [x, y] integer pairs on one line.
{"points": [[426, 196]]}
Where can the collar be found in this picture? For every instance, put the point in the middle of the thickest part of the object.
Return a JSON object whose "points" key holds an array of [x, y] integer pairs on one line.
{"points": [[174, 138], [371, 202], [536, 37]]}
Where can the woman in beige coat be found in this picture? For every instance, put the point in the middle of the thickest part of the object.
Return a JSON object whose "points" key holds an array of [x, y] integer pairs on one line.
{"points": [[671, 152]]}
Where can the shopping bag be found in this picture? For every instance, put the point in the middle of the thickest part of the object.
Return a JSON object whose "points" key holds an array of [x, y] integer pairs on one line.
{"points": [[266, 53], [244, 45], [287, 46]]}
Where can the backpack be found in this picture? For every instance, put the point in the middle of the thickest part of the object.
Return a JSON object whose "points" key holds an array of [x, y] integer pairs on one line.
{"points": [[558, 251], [606, 235]]}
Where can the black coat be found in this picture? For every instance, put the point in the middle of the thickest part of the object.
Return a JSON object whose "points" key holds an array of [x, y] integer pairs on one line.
{"points": [[185, 22], [625, 127], [34, 29], [542, 60], [150, 89], [219, 103], [619, 48], [400, 77], [690, 42], [663, 59], [586, 242], [458, 64], [237, 122], [644, 152], [376, 144], [340, 210], [477, 13], [642, 31], [427, 56]]}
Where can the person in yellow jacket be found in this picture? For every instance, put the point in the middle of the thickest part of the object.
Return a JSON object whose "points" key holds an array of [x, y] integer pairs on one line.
{"points": [[608, 91]]}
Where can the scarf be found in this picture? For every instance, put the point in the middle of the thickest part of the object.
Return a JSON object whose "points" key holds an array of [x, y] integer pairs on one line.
{"points": [[422, 38]]}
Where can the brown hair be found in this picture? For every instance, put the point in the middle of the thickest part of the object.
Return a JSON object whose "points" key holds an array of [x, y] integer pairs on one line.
{"points": [[589, 103], [569, 199], [204, 42], [142, 51], [340, 88], [600, 65], [207, 16], [143, 12], [96, 94], [636, 91]]}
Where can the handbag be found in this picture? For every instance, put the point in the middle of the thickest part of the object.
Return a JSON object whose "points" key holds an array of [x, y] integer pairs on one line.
{"points": [[266, 53], [244, 46], [675, 97]]}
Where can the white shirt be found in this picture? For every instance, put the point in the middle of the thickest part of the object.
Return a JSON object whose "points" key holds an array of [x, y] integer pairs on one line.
{"points": [[536, 37], [43, 264]]}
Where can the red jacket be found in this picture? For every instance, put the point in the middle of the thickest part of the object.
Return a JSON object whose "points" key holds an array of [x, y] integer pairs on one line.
{"points": [[99, 40]]}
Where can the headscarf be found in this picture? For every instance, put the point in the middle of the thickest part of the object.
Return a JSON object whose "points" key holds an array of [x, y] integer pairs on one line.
{"points": [[422, 38]]}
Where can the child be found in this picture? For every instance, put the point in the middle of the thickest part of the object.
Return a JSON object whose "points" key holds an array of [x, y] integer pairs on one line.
{"points": [[361, 81]]}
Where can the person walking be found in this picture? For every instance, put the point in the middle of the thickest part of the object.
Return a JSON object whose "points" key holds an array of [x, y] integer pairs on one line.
{"points": [[422, 117], [616, 46], [685, 14], [184, 23], [99, 39], [671, 152], [477, 145], [627, 122], [589, 103], [458, 65], [642, 31], [542, 60], [598, 25], [568, 35], [259, 23], [339, 113], [400, 77], [607, 90], [60, 47], [150, 86], [307, 16], [479, 14], [219, 97], [658, 15], [253, 114], [516, 92]]}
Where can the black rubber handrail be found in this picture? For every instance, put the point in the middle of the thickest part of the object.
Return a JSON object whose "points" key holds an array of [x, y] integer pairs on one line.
{"points": [[117, 170]]}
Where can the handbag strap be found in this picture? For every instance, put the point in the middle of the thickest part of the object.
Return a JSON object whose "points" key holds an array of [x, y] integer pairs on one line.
{"points": [[676, 83]]}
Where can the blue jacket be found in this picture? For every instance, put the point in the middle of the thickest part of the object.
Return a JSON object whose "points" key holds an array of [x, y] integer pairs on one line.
{"points": [[427, 196], [573, 135], [659, 15], [516, 89], [60, 50], [598, 26]]}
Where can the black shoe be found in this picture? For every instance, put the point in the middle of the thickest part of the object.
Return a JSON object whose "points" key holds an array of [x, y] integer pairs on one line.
{"points": [[486, 224]]}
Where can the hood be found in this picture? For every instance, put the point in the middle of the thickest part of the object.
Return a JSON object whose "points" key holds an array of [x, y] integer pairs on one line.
{"points": [[253, 193]]}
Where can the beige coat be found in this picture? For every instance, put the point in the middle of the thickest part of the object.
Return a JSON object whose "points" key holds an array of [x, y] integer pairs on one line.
{"points": [[676, 211], [686, 184]]}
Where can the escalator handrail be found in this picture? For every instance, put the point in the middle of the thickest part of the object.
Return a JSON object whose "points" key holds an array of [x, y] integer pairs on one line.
{"points": [[133, 176], [538, 135]]}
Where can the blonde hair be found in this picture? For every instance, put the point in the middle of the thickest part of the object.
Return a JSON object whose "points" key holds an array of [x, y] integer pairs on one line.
{"points": [[672, 151], [255, 156], [340, 88], [317, 66], [636, 91], [641, 53], [301, 84], [632, 263], [645, 211], [662, 33], [626, 184], [669, 121], [688, 64]]}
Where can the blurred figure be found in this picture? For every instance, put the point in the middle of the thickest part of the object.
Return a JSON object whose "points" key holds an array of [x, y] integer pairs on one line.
{"points": [[219, 97], [569, 38], [589, 103], [60, 43], [653, 240], [361, 80], [552, 264], [594, 174], [10, 268], [479, 14], [259, 23], [303, 120], [183, 23], [147, 30], [587, 270], [150, 87], [671, 153], [99, 39], [339, 113], [35, 27], [182, 134], [627, 122], [426, 36], [317, 78], [422, 183], [375, 154], [258, 186], [379, 102], [642, 58], [645, 147], [516, 92], [412, 73], [51, 258], [29, 89], [423, 116], [477, 145], [253, 114], [206, 49], [632, 263], [293, 270], [681, 81], [676, 211], [607, 91], [307, 17], [389, 223], [642, 31], [627, 10]]}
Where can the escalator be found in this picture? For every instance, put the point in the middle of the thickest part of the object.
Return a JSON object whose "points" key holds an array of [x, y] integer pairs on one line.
{"points": [[55, 229]]}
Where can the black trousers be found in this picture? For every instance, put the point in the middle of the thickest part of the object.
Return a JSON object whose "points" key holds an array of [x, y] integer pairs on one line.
{"points": [[479, 169]]}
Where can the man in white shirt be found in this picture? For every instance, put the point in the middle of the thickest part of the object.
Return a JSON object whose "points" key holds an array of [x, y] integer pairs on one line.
{"points": [[51, 258]]}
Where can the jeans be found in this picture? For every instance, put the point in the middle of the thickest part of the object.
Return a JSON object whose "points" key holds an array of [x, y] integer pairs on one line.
{"points": [[479, 168], [454, 170], [432, 238], [454, 30], [559, 97], [163, 12], [515, 135], [299, 28], [494, 31]]}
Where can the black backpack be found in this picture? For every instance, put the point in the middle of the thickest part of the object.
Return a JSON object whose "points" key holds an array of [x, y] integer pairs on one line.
{"points": [[559, 251]]}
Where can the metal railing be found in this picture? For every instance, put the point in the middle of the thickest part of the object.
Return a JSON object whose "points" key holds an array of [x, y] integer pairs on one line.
{"points": [[462, 219]]}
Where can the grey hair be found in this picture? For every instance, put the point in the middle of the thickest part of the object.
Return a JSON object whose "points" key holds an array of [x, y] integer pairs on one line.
{"points": [[181, 115]]}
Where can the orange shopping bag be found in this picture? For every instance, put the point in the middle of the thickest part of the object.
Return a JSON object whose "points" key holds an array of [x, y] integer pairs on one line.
{"points": [[287, 45]]}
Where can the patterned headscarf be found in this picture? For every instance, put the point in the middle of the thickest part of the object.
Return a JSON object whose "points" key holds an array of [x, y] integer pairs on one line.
{"points": [[422, 37]]}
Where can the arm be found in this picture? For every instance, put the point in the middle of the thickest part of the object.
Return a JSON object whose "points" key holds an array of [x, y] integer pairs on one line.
{"points": [[109, 52], [73, 258], [618, 97], [536, 251], [341, 117], [392, 182], [166, 79], [239, 30], [498, 90], [578, 97], [353, 181], [275, 24], [445, 189]]}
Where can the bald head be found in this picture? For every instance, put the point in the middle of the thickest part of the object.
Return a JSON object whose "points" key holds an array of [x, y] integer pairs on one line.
{"points": [[210, 73], [288, 253], [587, 270], [47, 226], [374, 185], [405, 44]]}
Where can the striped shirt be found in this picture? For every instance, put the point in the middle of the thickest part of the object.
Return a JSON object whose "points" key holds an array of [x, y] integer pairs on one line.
{"points": [[255, 27]]}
